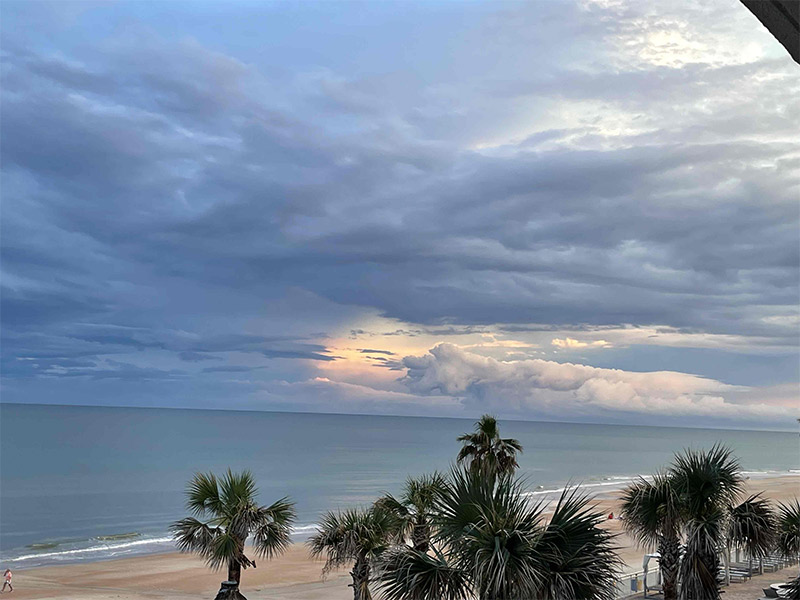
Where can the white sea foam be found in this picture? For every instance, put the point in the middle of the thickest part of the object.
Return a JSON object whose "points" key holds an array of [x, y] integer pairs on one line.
{"points": [[301, 529], [611, 482], [94, 549], [109, 549]]}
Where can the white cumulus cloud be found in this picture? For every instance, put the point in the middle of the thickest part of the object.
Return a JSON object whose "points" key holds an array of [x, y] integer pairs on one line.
{"points": [[537, 387], [570, 343]]}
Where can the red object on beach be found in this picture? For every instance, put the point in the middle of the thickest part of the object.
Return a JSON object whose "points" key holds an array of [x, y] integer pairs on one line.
{"points": [[610, 515]]}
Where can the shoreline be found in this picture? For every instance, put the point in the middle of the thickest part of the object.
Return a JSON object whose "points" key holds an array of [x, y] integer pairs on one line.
{"points": [[602, 491], [293, 575]]}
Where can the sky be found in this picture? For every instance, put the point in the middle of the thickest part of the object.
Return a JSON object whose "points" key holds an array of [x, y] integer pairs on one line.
{"points": [[556, 210]]}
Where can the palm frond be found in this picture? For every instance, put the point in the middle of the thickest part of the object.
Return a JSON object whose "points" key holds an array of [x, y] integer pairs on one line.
{"points": [[488, 526], [651, 510], [579, 558], [460, 502], [224, 548], [192, 535], [272, 528], [707, 478], [406, 574], [700, 564], [485, 451], [343, 537], [789, 528], [203, 495], [237, 490], [229, 504], [422, 492], [752, 526]]}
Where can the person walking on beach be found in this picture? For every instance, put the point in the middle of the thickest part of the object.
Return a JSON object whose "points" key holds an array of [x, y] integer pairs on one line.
{"points": [[7, 581]]}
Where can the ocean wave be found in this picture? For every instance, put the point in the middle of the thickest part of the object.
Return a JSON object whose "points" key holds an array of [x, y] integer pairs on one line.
{"points": [[771, 473], [301, 529], [110, 549], [103, 546], [613, 482]]}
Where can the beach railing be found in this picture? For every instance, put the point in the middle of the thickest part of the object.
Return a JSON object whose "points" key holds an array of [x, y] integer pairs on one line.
{"points": [[631, 584]]}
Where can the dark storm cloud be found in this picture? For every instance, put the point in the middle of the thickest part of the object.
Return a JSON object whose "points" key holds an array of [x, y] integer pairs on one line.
{"points": [[160, 195], [540, 232]]}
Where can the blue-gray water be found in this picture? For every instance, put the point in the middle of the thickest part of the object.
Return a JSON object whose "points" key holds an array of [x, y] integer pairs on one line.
{"points": [[75, 481]]}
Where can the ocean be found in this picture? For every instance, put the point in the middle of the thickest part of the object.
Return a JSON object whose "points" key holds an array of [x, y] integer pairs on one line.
{"points": [[93, 483]]}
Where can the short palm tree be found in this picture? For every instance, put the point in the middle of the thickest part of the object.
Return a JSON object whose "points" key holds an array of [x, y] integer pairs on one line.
{"points": [[358, 537], [484, 450], [788, 529], [413, 510], [788, 540], [491, 543], [230, 515], [651, 513], [751, 526]]}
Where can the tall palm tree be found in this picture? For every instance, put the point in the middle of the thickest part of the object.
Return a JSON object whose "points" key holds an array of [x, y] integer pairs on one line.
{"points": [[696, 502], [230, 515], [358, 537], [484, 450], [413, 510], [651, 513], [491, 542], [708, 483]]}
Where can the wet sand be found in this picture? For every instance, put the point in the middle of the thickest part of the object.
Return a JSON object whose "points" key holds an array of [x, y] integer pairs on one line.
{"points": [[292, 576]]}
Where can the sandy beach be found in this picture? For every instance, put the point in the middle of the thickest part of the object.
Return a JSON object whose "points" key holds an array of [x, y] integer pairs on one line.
{"points": [[292, 576]]}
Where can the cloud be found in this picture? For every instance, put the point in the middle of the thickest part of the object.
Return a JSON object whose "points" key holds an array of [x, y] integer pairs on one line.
{"points": [[191, 356], [547, 388], [191, 198], [571, 343], [321, 394], [230, 369]]}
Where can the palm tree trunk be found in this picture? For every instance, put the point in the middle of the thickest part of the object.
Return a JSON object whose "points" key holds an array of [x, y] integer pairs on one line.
{"points": [[711, 559], [360, 575], [727, 566], [420, 537], [670, 551], [705, 569], [234, 571]]}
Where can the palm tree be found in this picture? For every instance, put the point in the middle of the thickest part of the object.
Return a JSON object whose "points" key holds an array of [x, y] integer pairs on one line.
{"points": [[355, 536], [697, 501], [231, 515], [708, 484], [651, 513], [788, 540], [491, 542], [486, 451], [751, 526], [413, 510], [788, 529]]}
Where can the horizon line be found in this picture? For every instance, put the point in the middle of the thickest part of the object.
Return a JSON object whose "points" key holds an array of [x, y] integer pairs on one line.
{"points": [[357, 414]]}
